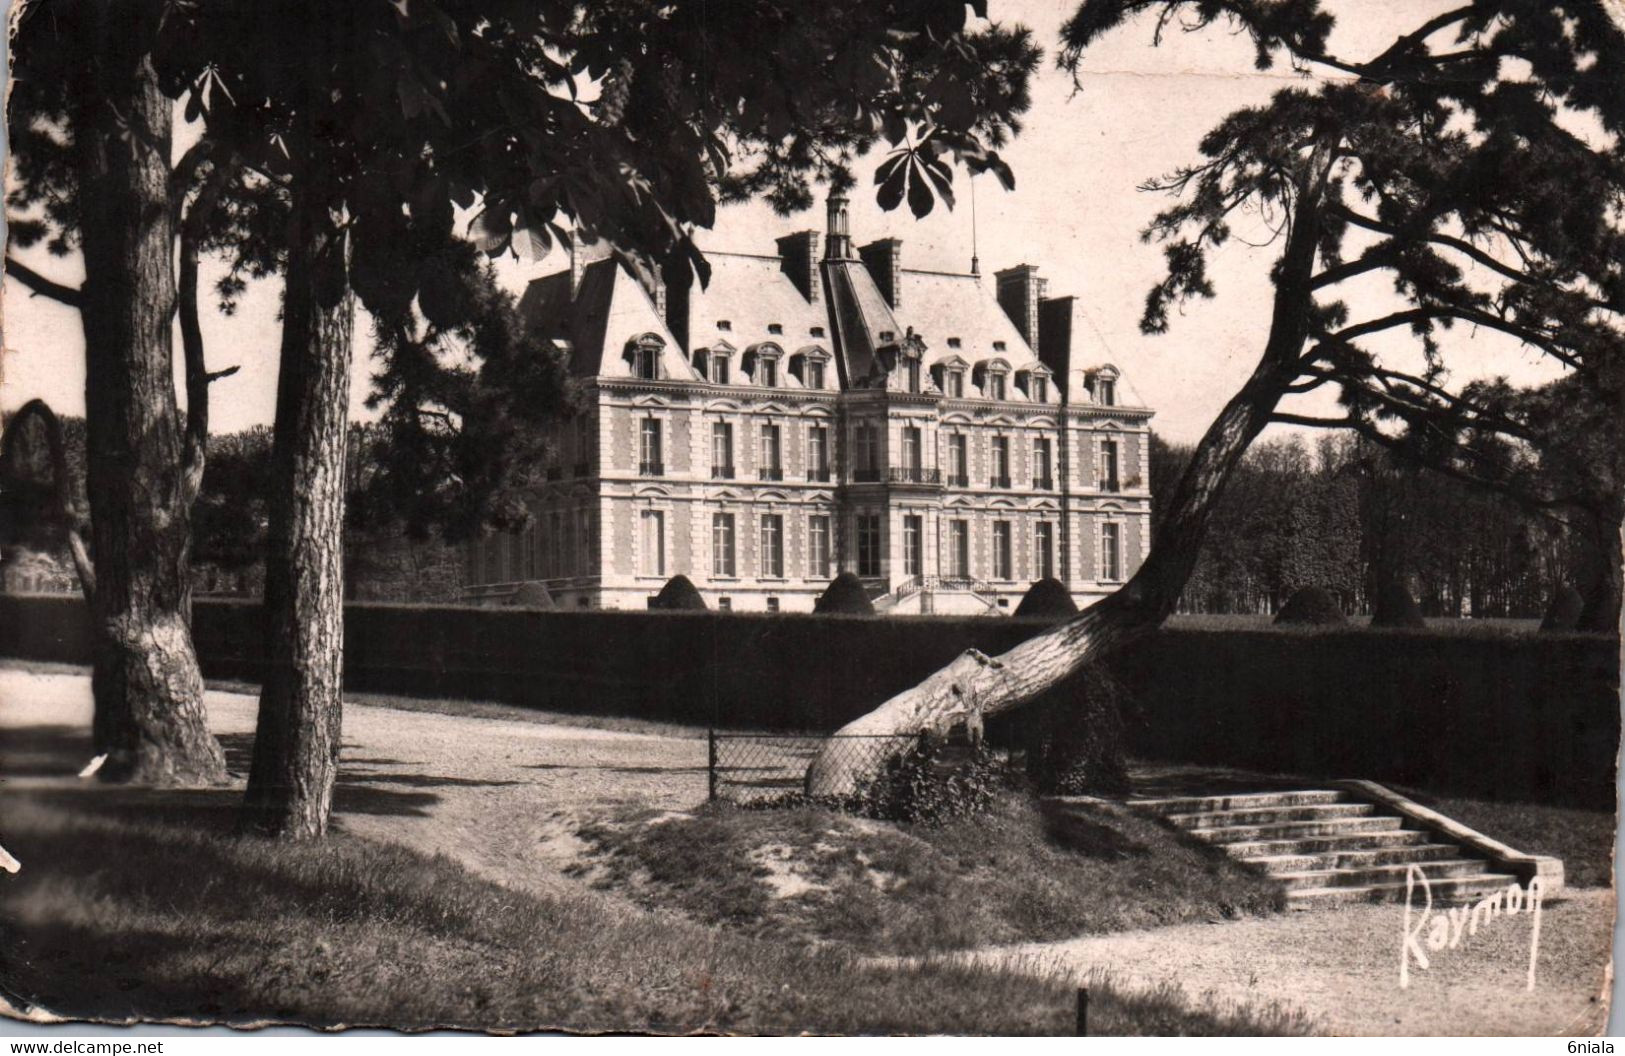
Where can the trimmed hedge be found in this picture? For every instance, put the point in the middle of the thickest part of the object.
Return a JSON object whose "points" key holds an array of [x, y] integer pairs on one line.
{"points": [[1502, 716]]}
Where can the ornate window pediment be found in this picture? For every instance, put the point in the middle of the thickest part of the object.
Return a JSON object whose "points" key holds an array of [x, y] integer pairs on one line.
{"points": [[642, 354]]}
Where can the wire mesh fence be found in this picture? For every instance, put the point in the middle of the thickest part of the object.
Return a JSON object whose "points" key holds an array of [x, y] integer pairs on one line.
{"points": [[745, 767]]}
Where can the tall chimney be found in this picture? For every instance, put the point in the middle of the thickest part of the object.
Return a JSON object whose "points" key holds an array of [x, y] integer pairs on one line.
{"points": [[798, 258], [1020, 290], [884, 259], [838, 240]]}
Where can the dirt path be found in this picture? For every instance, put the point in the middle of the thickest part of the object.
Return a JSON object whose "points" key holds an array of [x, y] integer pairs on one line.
{"points": [[1341, 967], [498, 795]]}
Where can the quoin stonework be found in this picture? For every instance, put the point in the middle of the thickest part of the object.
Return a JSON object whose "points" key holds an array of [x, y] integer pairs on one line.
{"points": [[948, 437]]}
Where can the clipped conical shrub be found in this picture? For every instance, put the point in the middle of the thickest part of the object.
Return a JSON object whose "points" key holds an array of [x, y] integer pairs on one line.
{"points": [[532, 596], [1563, 614], [1310, 606], [1048, 598], [845, 594], [1395, 607], [678, 595]]}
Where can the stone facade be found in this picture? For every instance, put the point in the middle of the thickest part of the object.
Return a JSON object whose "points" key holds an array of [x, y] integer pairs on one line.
{"points": [[947, 439]]}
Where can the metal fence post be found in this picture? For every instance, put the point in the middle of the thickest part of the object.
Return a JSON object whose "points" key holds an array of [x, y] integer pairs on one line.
{"points": [[1083, 1011], [711, 764]]}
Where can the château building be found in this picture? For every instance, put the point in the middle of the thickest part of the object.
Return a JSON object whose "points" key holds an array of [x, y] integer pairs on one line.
{"points": [[948, 438]]}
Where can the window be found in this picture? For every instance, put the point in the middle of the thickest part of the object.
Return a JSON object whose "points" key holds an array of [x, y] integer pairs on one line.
{"points": [[722, 450], [956, 384], [772, 604], [998, 346], [866, 441], [1108, 465], [817, 452], [868, 544], [723, 324], [815, 374], [1041, 460], [775, 328], [1000, 477], [647, 361], [818, 546], [816, 331], [1040, 387], [995, 386], [959, 549], [654, 543], [725, 604], [1106, 392], [649, 461], [767, 372], [911, 370], [555, 544], [768, 465], [958, 463], [722, 544], [1003, 567], [953, 342], [1111, 551], [911, 451], [584, 540], [913, 545], [772, 558], [1043, 550], [719, 369]]}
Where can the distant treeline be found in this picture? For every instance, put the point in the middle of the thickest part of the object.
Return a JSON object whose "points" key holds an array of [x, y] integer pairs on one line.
{"points": [[1344, 515]]}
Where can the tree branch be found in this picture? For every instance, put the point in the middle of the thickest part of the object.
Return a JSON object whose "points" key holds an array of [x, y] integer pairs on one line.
{"points": [[42, 286], [198, 376]]}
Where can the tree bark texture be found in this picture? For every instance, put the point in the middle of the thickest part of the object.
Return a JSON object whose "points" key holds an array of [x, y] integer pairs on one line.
{"points": [[149, 717], [975, 685], [296, 742]]}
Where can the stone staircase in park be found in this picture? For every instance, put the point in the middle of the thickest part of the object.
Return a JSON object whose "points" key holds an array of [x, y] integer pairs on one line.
{"points": [[1353, 841]]}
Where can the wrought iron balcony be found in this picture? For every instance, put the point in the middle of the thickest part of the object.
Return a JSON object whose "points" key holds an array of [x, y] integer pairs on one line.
{"points": [[958, 480], [819, 474], [769, 472], [722, 472], [652, 469], [870, 475], [914, 475], [1043, 483]]}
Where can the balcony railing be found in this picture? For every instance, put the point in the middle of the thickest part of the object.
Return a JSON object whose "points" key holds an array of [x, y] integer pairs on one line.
{"points": [[769, 472], [914, 475], [722, 472], [958, 480], [866, 476], [998, 482], [1043, 483], [652, 469], [819, 474]]}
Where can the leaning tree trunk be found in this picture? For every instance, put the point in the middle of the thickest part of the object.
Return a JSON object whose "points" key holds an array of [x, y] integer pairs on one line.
{"points": [[149, 718], [975, 685], [1602, 591], [296, 742]]}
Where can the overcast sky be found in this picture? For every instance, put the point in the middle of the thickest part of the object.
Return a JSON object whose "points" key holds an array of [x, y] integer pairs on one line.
{"points": [[1075, 212]]}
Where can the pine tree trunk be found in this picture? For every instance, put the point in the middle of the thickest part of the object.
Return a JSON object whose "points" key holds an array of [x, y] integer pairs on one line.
{"points": [[1603, 583], [149, 717], [296, 742], [975, 685]]}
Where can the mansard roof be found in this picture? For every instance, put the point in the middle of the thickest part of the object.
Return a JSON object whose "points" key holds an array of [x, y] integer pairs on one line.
{"points": [[610, 310]]}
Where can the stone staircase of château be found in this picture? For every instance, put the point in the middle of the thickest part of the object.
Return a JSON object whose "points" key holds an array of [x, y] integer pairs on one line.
{"points": [[1331, 846]]}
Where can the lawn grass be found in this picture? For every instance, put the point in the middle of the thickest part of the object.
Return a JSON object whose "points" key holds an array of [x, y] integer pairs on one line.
{"points": [[139, 906], [1584, 839], [1027, 871], [1499, 627]]}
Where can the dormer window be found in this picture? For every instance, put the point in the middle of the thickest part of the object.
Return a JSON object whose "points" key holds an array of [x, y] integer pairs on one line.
{"points": [[723, 324], [816, 331], [807, 367], [953, 342], [995, 385], [767, 372], [762, 364], [815, 374], [1040, 389], [643, 355], [775, 328], [719, 368], [956, 384], [1106, 392], [888, 335]]}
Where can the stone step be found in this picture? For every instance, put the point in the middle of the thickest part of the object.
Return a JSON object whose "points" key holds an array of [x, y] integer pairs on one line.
{"points": [[1209, 819], [1275, 864], [1389, 840], [1227, 834], [1448, 869], [1462, 889], [1247, 801]]}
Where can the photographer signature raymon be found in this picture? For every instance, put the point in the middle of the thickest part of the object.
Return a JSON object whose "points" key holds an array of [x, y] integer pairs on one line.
{"points": [[1436, 931]]}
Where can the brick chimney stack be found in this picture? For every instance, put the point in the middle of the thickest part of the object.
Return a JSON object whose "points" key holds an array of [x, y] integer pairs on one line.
{"points": [[838, 238], [1020, 290], [884, 259], [798, 255]]}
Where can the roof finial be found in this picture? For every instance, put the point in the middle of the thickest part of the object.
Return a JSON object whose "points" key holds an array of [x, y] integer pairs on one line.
{"points": [[975, 262]]}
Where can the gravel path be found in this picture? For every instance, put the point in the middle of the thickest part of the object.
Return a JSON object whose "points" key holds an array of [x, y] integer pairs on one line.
{"points": [[498, 795], [501, 797]]}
